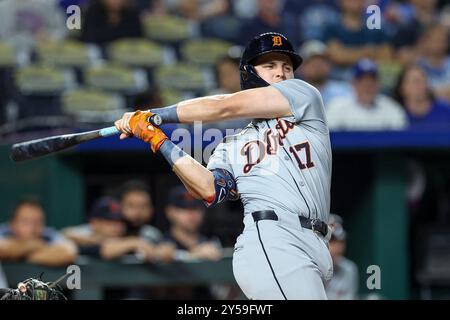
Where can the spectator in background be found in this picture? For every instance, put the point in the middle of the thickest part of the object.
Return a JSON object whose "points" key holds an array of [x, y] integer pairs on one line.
{"points": [[25, 238], [137, 211], [435, 61], [367, 109], [185, 215], [200, 10], [215, 17], [345, 281], [64, 4], [268, 19], [108, 20], [104, 236], [227, 75], [311, 16], [349, 40], [24, 23], [148, 99], [423, 109], [316, 69], [424, 13]]}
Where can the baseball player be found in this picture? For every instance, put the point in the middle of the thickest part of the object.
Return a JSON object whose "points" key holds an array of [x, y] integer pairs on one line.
{"points": [[279, 165]]}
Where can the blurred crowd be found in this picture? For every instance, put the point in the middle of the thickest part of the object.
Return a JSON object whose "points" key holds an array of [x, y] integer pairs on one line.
{"points": [[147, 53], [118, 228]]}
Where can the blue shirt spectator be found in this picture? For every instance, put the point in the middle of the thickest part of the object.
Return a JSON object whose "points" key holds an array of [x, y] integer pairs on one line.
{"points": [[434, 60], [268, 19], [424, 111], [350, 40], [438, 117], [311, 16], [354, 37]]}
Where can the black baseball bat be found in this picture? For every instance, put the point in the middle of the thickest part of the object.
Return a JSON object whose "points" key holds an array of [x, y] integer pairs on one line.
{"points": [[41, 147]]}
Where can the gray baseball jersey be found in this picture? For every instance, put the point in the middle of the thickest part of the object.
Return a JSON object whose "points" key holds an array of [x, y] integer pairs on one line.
{"points": [[282, 165]]}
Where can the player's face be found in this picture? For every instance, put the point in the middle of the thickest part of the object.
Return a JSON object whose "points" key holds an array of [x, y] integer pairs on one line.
{"points": [[274, 67], [28, 222], [137, 207]]}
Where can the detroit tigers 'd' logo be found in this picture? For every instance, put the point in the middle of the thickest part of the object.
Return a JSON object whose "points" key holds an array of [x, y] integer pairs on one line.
{"points": [[276, 41]]}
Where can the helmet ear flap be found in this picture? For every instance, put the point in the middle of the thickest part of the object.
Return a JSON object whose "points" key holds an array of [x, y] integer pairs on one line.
{"points": [[244, 73], [250, 78]]}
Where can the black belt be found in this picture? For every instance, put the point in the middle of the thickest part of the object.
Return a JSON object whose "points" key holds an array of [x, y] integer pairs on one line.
{"points": [[312, 224]]}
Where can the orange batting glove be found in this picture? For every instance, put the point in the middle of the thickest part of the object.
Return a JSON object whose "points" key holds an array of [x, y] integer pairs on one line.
{"points": [[145, 131]]}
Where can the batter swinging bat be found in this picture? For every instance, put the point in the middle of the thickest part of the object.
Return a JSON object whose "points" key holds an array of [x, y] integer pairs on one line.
{"points": [[40, 147]]}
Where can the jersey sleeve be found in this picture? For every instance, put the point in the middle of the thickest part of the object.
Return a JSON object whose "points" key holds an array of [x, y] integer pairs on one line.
{"points": [[220, 159], [305, 100]]}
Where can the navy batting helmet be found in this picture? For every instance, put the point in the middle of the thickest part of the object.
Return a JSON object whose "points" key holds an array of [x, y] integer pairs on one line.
{"points": [[262, 44]]}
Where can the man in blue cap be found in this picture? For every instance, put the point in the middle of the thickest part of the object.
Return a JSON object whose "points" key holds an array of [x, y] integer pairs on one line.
{"points": [[368, 109]]}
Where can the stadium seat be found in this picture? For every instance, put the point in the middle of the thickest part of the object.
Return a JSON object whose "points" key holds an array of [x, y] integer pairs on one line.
{"points": [[136, 52], [116, 77], [41, 79], [7, 55], [167, 29], [39, 89], [204, 51], [182, 76], [170, 96], [92, 106], [67, 53]]}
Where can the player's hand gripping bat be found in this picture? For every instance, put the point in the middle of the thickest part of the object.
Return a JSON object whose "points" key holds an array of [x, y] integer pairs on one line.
{"points": [[40, 147]]}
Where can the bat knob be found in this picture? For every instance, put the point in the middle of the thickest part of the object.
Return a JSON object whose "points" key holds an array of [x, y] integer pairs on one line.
{"points": [[155, 119]]}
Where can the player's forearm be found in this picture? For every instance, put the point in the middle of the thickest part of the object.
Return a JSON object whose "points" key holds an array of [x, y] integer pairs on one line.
{"points": [[265, 103], [204, 109], [198, 180]]}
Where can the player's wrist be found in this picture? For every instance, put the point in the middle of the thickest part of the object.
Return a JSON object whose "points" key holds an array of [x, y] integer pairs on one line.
{"points": [[171, 152], [168, 114]]}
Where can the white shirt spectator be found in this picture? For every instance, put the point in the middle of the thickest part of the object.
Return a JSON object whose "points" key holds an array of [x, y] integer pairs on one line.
{"points": [[348, 114]]}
